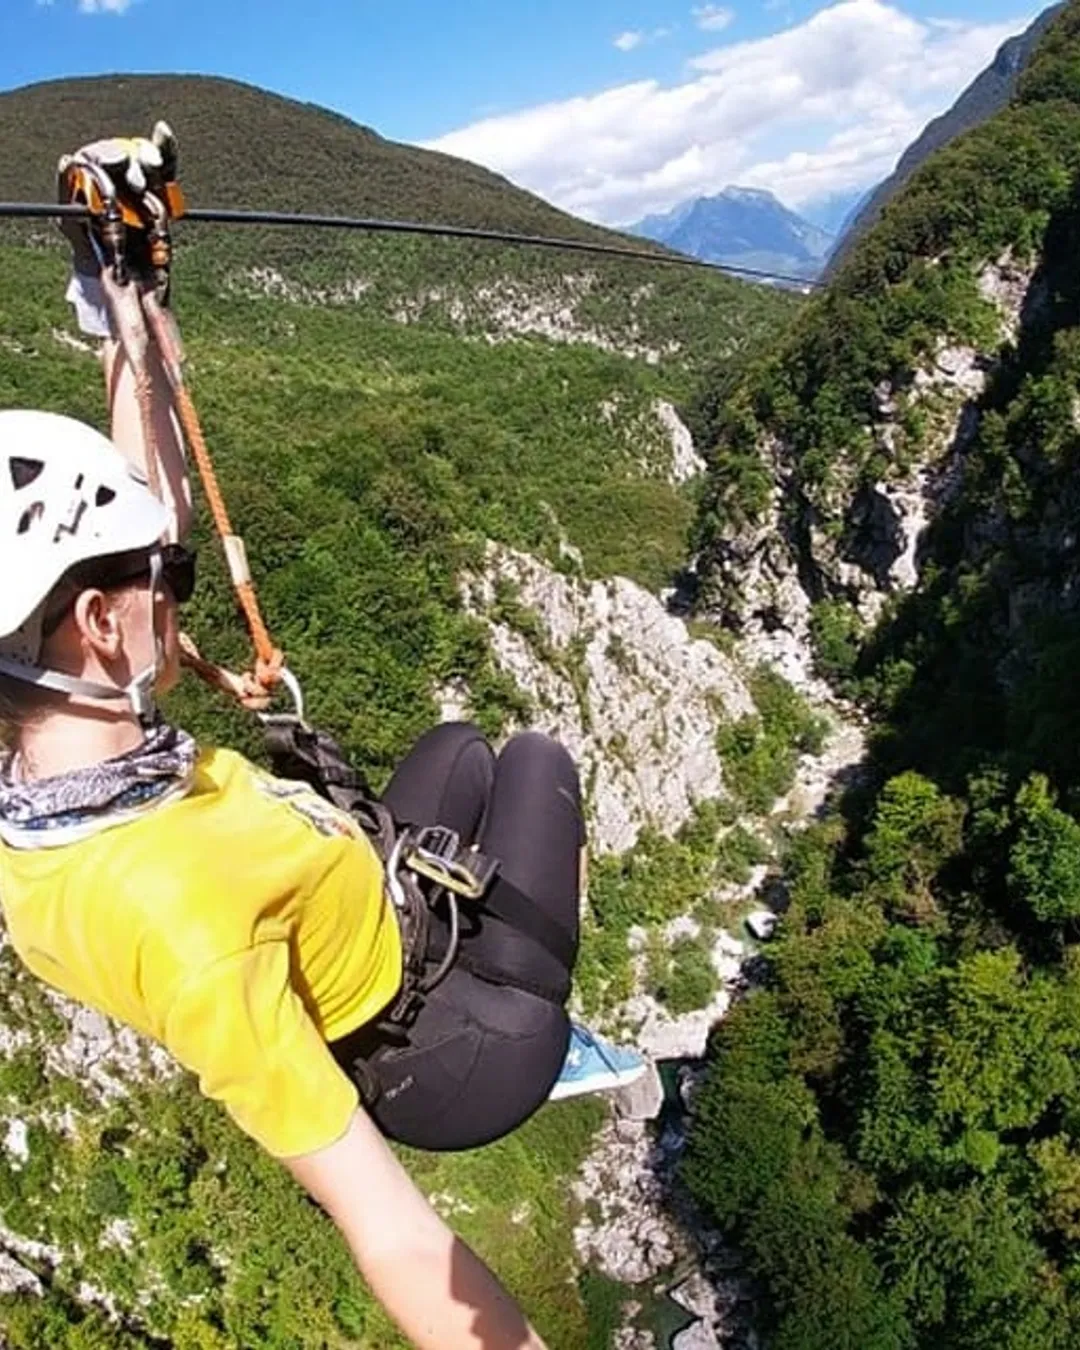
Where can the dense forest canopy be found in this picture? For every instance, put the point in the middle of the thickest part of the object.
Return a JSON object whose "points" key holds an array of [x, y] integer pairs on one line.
{"points": [[891, 1125]]}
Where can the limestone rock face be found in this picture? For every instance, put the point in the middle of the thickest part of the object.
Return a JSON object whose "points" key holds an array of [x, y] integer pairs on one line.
{"points": [[686, 463], [620, 682], [856, 540], [1008, 285], [698, 1337], [662, 1035], [625, 1229]]}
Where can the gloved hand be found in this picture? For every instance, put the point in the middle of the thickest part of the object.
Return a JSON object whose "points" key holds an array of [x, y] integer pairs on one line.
{"points": [[138, 175]]}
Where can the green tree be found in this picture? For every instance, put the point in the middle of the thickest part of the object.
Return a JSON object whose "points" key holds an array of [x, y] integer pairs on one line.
{"points": [[1044, 861]]}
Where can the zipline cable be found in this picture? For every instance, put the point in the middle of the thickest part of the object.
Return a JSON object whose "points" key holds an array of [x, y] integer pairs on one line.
{"points": [[212, 216]]}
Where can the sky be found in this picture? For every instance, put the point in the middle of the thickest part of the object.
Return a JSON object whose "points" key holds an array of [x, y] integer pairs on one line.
{"points": [[611, 109]]}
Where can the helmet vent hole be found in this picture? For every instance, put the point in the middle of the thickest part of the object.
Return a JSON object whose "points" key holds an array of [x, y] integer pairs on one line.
{"points": [[23, 471], [32, 513], [104, 496]]}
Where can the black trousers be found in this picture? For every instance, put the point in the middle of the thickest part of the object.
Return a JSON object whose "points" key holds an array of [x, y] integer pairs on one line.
{"points": [[489, 1041]]}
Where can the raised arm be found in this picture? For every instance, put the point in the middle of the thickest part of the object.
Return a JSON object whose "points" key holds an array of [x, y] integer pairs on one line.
{"points": [[435, 1287], [136, 172], [129, 435]]}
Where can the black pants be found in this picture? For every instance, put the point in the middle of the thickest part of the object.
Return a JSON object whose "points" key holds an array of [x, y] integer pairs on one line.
{"points": [[489, 1041]]}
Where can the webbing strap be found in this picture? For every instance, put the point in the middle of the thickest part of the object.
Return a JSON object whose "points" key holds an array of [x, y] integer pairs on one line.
{"points": [[514, 923], [514, 908]]}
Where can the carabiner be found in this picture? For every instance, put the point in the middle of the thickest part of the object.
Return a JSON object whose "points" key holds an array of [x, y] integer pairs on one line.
{"points": [[292, 684]]}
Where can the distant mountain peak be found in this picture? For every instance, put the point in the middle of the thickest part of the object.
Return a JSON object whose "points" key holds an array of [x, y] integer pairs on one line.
{"points": [[742, 227], [734, 193]]}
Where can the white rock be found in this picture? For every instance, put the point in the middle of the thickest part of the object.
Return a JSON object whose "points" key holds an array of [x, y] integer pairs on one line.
{"points": [[453, 700], [633, 697], [626, 1230], [119, 1233], [686, 463], [15, 1141], [633, 1338], [698, 1337], [762, 924], [15, 1278], [103, 1055], [1006, 283], [643, 1099], [698, 1297]]}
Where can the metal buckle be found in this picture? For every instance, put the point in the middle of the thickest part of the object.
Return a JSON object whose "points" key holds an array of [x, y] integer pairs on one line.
{"points": [[436, 852], [292, 684]]}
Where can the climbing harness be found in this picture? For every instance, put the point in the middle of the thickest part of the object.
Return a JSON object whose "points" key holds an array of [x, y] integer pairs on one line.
{"points": [[428, 871]]}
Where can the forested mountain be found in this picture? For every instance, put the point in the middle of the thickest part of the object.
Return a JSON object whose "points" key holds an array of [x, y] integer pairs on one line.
{"points": [[742, 227], [892, 1121], [246, 147], [984, 97]]}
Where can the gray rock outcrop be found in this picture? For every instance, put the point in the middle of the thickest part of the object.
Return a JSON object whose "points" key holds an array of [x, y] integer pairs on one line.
{"points": [[620, 682]]}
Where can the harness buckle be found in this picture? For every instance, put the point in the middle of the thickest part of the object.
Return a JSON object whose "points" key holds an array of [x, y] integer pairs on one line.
{"points": [[296, 717], [437, 853]]}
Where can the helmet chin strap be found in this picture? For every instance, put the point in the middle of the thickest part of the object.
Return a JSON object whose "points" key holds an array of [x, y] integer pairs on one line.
{"points": [[138, 693]]}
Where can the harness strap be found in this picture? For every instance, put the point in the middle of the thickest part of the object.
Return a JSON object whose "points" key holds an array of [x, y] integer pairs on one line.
{"points": [[515, 909], [514, 924], [310, 756]]}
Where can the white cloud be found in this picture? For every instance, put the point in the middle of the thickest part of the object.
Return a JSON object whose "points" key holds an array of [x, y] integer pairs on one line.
{"points": [[823, 107], [635, 37], [104, 6], [713, 18]]}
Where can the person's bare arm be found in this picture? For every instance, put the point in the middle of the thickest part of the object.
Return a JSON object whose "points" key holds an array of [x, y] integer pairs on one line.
{"points": [[129, 435], [434, 1286]]}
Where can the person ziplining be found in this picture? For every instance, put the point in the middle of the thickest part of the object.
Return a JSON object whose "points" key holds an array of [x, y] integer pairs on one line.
{"points": [[337, 969]]}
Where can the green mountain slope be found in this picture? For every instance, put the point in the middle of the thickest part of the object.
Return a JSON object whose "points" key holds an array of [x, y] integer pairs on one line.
{"points": [[988, 93], [245, 147], [892, 1122]]}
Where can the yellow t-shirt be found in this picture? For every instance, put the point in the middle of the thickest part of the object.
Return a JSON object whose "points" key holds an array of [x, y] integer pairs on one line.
{"points": [[242, 925]]}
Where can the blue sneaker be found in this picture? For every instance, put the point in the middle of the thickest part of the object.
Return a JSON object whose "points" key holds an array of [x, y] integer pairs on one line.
{"points": [[593, 1065]]}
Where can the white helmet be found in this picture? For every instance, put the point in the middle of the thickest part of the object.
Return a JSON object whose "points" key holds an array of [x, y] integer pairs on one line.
{"points": [[66, 495]]}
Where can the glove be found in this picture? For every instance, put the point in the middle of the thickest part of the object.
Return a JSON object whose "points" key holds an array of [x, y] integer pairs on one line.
{"points": [[138, 177]]}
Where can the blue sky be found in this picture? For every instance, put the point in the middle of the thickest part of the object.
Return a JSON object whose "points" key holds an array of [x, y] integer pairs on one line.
{"points": [[610, 107]]}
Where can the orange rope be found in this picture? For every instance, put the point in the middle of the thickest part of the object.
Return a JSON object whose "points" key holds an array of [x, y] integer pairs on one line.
{"points": [[268, 658]]}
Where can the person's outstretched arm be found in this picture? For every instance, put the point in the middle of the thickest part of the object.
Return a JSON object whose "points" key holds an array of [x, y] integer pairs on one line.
{"points": [[435, 1287], [133, 167], [129, 434]]}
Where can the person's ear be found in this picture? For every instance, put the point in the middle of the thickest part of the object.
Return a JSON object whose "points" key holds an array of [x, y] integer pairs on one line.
{"points": [[97, 618]]}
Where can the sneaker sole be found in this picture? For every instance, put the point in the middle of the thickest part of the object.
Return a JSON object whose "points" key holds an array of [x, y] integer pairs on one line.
{"points": [[597, 1082]]}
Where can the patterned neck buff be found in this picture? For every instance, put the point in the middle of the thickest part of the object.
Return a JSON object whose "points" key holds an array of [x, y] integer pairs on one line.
{"points": [[48, 812]]}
